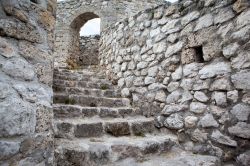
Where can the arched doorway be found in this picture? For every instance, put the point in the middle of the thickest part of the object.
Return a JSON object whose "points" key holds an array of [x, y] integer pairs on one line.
{"points": [[82, 50]]}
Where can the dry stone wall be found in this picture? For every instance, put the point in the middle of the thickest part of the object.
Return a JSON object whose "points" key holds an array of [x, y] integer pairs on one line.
{"points": [[73, 14], [89, 48], [189, 65], [26, 62]]}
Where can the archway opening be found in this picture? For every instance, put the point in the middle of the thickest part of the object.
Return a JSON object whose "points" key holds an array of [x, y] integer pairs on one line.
{"points": [[85, 35]]}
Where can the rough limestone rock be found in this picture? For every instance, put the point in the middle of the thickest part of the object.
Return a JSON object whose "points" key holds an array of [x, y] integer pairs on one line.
{"points": [[241, 129], [190, 121], [241, 111], [218, 137], [240, 79], [19, 68], [170, 109], [200, 96], [8, 149], [244, 158], [197, 107], [208, 121], [214, 69], [199, 135], [174, 121]]}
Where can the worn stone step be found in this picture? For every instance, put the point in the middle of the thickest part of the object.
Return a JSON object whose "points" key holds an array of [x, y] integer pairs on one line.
{"points": [[103, 85], [96, 127], [90, 92], [181, 158], [78, 77], [106, 150], [90, 101], [75, 111]]}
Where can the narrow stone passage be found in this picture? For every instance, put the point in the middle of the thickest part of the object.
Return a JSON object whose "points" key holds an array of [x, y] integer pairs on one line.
{"points": [[95, 126]]}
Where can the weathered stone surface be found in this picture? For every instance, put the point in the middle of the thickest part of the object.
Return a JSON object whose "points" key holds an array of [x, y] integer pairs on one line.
{"points": [[224, 15], [190, 121], [117, 129], [19, 68], [8, 149], [221, 84], [190, 17], [174, 97], [233, 96], [199, 136], [7, 49], [230, 50], [160, 96], [240, 79], [204, 21], [241, 129], [17, 118], [197, 107], [241, 111], [220, 98], [218, 137], [89, 130], [244, 158], [213, 69], [174, 121], [170, 109], [243, 19], [200, 96], [241, 61], [208, 121], [173, 49]]}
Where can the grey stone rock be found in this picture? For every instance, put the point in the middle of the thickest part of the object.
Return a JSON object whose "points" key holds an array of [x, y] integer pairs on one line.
{"points": [[149, 80], [8, 149], [156, 86], [190, 17], [246, 98], [16, 118], [230, 50], [174, 97], [174, 121], [218, 137], [159, 47], [241, 111], [198, 108], [173, 49], [241, 129], [170, 109], [243, 19], [208, 121], [186, 96], [125, 92], [7, 49], [152, 72], [142, 65], [190, 121], [224, 15], [172, 86], [177, 74], [241, 34], [171, 27], [241, 61], [199, 136], [214, 69], [200, 96], [240, 79], [5, 90], [117, 129], [19, 68], [159, 121], [160, 96], [191, 69], [233, 96], [244, 158], [221, 84], [204, 21], [220, 98]]}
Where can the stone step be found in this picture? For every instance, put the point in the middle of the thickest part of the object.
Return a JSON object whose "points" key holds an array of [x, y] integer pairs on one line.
{"points": [[171, 159], [106, 150], [74, 111], [90, 92], [103, 85], [78, 77], [90, 101], [96, 127]]}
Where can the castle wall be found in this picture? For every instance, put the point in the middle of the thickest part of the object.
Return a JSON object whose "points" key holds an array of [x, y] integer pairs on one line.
{"points": [[26, 62], [89, 47], [188, 64], [72, 15]]}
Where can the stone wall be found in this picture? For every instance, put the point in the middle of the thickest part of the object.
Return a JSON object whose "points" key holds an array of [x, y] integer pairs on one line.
{"points": [[189, 65], [72, 15], [89, 47], [26, 62]]}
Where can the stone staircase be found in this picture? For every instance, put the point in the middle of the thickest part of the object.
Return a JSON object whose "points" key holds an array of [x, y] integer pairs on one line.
{"points": [[95, 126]]}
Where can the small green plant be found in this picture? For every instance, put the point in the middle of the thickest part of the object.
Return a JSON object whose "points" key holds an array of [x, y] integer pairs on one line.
{"points": [[103, 87], [70, 101]]}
